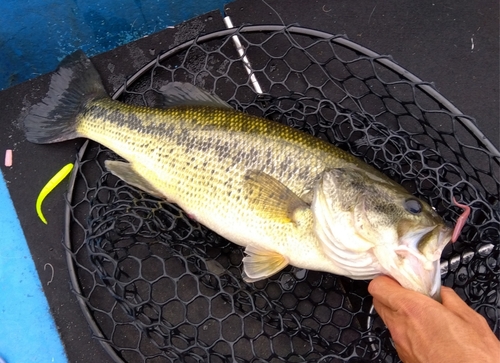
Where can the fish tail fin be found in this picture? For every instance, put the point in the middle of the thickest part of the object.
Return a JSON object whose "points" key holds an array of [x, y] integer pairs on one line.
{"points": [[73, 84]]}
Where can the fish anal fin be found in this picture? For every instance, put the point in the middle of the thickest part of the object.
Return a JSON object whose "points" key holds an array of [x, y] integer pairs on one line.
{"points": [[271, 199], [261, 263], [126, 172]]}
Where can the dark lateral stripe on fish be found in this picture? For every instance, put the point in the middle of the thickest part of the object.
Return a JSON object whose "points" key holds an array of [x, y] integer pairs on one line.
{"points": [[187, 132]]}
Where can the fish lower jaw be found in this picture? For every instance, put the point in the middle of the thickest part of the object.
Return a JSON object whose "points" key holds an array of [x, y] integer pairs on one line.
{"points": [[416, 274]]}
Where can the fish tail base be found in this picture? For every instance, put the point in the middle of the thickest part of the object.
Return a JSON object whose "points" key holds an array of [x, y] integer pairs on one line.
{"points": [[74, 84]]}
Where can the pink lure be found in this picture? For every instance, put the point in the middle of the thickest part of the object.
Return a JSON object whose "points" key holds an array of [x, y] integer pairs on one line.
{"points": [[460, 221]]}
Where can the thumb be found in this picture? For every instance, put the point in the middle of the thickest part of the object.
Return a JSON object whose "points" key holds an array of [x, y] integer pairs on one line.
{"points": [[451, 300], [390, 293], [454, 303]]}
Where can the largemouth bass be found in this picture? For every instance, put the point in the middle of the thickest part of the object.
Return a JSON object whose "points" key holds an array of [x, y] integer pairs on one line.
{"points": [[286, 196]]}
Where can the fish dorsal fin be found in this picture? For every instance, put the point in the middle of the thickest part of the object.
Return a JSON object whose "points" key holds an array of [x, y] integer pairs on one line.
{"points": [[181, 93], [125, 172], [271, 199], [261, 263]]}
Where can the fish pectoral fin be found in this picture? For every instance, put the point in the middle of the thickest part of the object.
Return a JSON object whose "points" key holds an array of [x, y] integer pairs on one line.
{"points": [[260, 263], [180, 93], [271, 199], [125, 172]]}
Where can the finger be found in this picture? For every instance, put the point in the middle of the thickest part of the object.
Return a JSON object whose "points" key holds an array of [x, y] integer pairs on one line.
{"points": [[389, 292], [387, 314], [393, 302], [452, 300], [381, 285], [380, 288], [455, 303]]}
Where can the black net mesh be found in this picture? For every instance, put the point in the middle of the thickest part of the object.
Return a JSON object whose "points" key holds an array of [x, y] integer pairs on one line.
{"points": [[158, 287]]}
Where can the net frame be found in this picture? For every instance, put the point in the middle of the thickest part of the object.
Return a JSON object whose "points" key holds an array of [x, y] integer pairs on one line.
{"points": [[467, 166]]}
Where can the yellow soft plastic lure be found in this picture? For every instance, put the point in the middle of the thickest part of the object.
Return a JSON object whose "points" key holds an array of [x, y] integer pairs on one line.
{"points": [[51, 184]]}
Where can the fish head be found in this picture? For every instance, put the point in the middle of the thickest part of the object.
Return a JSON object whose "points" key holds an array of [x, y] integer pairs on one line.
{"points": [[366, 216]]}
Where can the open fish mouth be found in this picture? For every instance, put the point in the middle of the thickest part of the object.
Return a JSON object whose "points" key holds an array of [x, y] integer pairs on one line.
{"points": [[420, 253]]}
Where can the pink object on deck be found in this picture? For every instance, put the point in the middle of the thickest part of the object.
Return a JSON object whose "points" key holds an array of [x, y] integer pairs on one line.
{"points": [[8, 158]]}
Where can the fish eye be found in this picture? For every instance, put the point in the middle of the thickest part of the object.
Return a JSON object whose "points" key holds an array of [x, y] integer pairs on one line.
{"points": [[413, 206]]}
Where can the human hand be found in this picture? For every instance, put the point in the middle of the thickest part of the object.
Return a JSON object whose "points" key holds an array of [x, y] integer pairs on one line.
{"points": [[425, 331]]}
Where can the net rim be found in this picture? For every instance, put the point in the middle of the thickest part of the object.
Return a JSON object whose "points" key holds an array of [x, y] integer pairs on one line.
{"points": [[385, 60]]}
